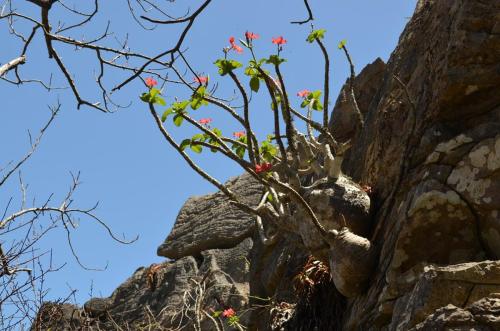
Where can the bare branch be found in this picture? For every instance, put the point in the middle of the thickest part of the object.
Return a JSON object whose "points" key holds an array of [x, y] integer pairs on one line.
{"points": [[359, 115], [34, 146], [12, 64], [309, 13]]}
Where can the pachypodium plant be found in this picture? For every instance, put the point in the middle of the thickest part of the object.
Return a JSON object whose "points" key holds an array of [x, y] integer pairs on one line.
{"points": [[286, 157]]}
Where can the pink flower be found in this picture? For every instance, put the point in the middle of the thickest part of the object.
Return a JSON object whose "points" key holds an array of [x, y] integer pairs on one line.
{"points": [[228, 312], [236, 48], [205, 121], [279, 40], [151, 82], [239, 134], [263, 167], [303, 93], [250, 35], [201, 79]]}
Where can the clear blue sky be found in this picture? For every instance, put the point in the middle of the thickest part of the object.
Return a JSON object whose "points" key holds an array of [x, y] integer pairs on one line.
{"points": [[125, 165]]}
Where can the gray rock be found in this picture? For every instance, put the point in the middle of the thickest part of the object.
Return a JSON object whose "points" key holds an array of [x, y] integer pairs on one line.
{"points": [[482, 315], [344, 122], [97, 307], [459, 285], [218, 279], [210, 221]]}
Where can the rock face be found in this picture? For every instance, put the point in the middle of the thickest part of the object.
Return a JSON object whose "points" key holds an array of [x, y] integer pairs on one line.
{"points": [[165, 296], [210, 221], [429, 151]]}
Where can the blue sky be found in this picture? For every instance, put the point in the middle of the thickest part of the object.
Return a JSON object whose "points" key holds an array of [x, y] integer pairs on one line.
{"points": [[124, 163]]}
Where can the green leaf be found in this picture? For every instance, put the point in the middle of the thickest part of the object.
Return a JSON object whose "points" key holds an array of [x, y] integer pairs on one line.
{"points": [[317, 105], [305, 103], [313, 100], [315, 94], [197, 99], [154, 92], [342, 43], [255, 84], [199, 137], [316, 34], [250, 71], [153, 96], [216, 313], [196, 148], [159, 100], [275, 59], [270, 198], [195, 104], [146, 97], [166, 114], [240, 151], [278, 101], [268, 150], [217, 132], [225, 66], [178, 120], [233, 320], [185, 143]]}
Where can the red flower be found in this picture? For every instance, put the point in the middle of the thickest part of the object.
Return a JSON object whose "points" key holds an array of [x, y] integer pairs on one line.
{"points": [[205, 121], [236, 48], [303, 93], [150, 82], [201, 79], [239, 134], [279, 40], [263, 167], [250, 35], [228, 312]]}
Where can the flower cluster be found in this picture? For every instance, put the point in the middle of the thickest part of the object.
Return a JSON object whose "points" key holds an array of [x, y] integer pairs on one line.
{"points": [[201, 79], [151, 82], [228, 313], [303, 93], [236, 48], [205, 121], [263, 167], [279, 40], [251, 36], [239, 134]]}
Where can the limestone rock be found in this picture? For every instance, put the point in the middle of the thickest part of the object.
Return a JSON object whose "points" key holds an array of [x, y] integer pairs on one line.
{"points": [[458, 285], [97, 307], [483, 315], [343, 122], [219, 277], [210, 221]]}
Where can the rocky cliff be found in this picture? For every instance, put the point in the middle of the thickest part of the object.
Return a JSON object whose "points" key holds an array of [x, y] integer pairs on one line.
{"points": [[428, 157]]}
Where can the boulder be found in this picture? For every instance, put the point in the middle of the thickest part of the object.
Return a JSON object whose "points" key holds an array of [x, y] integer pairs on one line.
{"points": [[211, 221]]}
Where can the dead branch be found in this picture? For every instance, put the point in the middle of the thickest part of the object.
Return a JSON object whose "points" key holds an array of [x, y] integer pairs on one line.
{"points": [[309, 13], [12, 64]]}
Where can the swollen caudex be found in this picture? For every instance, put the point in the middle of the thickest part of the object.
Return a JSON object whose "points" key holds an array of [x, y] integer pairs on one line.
{"points": [[351, 260]]}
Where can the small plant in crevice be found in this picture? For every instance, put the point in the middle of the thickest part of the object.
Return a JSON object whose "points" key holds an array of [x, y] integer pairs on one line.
{"points": [[313, 273]]}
